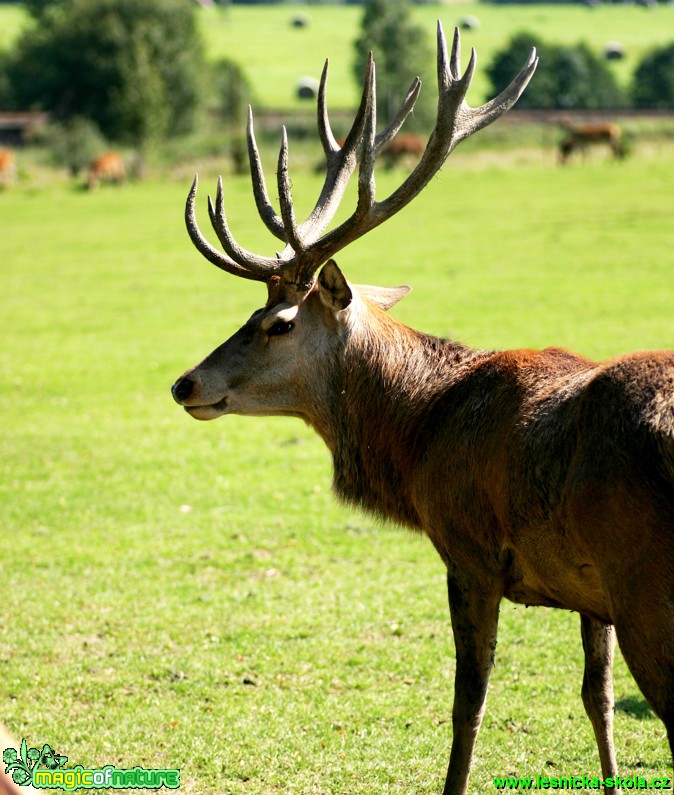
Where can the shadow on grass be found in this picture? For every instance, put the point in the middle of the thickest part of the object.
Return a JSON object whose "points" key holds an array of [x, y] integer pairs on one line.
{"points": [[636, 707]]}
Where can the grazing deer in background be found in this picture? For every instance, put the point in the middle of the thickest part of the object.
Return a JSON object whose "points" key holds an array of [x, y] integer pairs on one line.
{"points": [[108, 167], [404, 149], [539, 476], [579, 137], [7, 167]]}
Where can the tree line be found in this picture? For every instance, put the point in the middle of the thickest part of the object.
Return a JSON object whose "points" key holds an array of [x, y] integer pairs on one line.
{"points": [[575, 77], [134, 71]]}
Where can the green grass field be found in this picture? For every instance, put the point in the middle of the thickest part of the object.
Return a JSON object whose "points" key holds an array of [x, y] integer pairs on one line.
{"points": [[188, 595]]}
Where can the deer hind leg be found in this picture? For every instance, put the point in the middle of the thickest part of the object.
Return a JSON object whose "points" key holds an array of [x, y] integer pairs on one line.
{"points": [[474, 623], [655, 677], [597, 691], [645, 630]]}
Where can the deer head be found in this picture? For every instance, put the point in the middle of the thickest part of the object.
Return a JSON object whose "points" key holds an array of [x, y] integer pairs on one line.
{"points": [[274, 363]]}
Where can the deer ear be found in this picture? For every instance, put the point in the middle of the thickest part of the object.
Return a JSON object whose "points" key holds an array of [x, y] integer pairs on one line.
{"points": [[333, 288], [383, 297]]}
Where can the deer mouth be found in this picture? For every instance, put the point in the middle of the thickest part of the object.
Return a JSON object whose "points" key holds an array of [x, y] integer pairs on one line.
{"points": [[208, 412]]}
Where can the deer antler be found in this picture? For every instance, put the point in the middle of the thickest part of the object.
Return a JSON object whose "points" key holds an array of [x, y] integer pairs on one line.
{"points": [[307, 247]]}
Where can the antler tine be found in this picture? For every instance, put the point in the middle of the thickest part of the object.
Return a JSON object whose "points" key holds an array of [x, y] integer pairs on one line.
{"points": [[491, 110], [341, 165], [206, 249], [354, 137], [366, 183], [264, 206], [404, 111], [259, 267], [455, 60], [287, 211], [330, 145]]}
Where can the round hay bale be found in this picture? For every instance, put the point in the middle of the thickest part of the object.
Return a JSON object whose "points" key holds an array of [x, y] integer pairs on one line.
{"points": [[469, 22], [307, 88], [614, 51]]}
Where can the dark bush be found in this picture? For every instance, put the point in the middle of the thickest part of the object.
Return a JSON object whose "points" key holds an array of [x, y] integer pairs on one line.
{"points": [[653, 85], [567, 76], [230, 90], [133, 67]]}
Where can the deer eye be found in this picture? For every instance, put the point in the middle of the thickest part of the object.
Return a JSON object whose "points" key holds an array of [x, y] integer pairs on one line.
{"points": [[280, 327]]}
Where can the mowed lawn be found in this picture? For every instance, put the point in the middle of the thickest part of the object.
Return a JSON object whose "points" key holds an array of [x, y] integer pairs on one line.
{"points": [[190, 595]]}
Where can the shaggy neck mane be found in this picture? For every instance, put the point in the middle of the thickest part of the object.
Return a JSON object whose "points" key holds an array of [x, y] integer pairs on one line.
{"points": [[383, 393]]}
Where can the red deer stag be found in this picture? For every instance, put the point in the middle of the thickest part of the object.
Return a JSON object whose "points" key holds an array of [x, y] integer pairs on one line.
{"points": [[108, 167], [579, 137], [539, 476]]}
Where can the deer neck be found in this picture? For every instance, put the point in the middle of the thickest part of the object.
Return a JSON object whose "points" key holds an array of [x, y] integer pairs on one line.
{"points": [[384, 385]]}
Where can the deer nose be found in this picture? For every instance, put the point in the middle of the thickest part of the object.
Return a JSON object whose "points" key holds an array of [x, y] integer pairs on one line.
{"points": [[182, 389]]}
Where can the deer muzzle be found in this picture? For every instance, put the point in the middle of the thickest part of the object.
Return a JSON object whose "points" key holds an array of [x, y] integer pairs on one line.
{"points": [[186, 393]]}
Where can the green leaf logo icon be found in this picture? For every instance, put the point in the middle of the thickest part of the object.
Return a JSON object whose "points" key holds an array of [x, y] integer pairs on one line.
{"points": [[10, 755], [21, 776]]}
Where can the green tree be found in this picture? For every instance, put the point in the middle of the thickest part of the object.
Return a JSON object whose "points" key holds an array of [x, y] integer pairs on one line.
{"points": [[653, 85], [38, 7], [73, 143], [401, 51], [230, 89], [133, 67], [566, 77], [6, 99], [231, 94]]}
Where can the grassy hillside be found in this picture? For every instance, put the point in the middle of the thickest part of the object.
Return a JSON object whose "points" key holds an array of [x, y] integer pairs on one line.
{"points": [[275, 54]]}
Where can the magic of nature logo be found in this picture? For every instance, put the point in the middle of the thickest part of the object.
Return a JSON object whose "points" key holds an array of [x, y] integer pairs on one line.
{"points": [[45, 769]]}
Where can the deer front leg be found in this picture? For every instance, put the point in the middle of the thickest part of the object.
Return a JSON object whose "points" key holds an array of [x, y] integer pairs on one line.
{"points": [[474, 611], [597, 691]]}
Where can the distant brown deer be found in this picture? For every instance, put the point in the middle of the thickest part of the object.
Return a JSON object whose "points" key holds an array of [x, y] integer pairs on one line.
{"points": [[7, 167], [108, 167], [539, 476], [404, 149], [579, 137]]}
